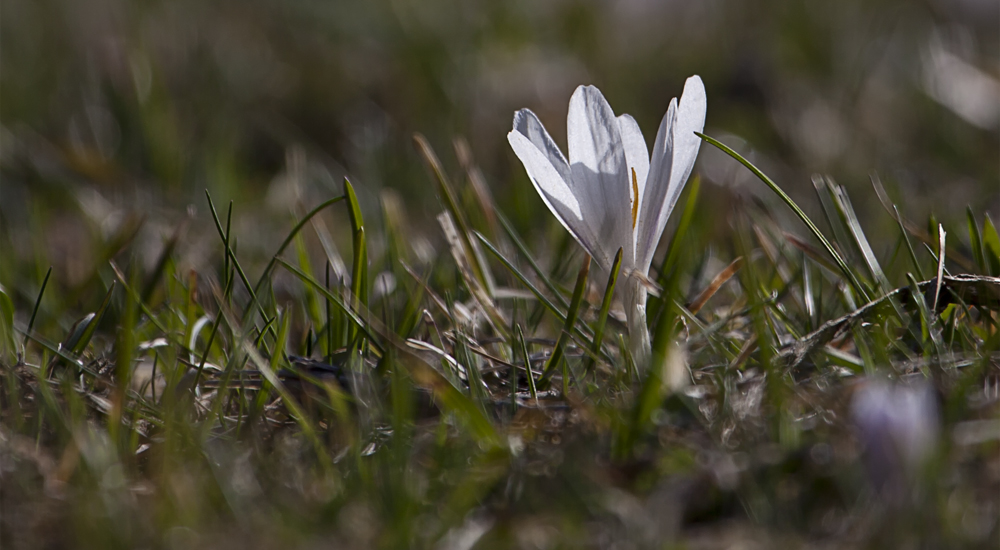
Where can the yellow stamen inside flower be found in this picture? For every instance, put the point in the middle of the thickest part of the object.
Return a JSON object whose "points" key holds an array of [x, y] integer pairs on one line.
{"points": [[635, 199]]}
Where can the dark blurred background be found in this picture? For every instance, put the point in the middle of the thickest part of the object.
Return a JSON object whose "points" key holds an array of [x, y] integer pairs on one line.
{"points": [[112, 111]]}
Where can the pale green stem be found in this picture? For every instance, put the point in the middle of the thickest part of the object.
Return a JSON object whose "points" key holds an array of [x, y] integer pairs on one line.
{"points": [[638, 332]]}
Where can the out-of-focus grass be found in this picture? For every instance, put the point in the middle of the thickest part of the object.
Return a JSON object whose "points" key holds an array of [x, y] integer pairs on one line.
{"points": [[301, 362]]}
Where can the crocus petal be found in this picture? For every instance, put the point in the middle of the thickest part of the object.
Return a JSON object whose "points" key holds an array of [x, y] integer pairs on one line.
{"points": [[548, 171], [600, 175], [673, 157], [637, 158], [528, 125]]}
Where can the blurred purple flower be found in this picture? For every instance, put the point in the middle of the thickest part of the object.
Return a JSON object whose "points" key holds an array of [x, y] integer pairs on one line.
{"points": [[899, 426]]}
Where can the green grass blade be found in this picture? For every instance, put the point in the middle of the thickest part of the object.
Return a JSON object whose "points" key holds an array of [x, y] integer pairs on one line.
{"points": [[447, 195], [288, 240], [359, 271], [34, 310], [976, 240], [161, 262], [231, 255], [574, 309], [991, 246], [351, 313], [267, 370], [841, 264], [846, 212], [602, 316], [226, 271], [526, 254], [828, 203], [208, 348], [8, 346], [451, 399], [909, 245], [523, 344], [84, 330], [312, 306], [534, 290]]}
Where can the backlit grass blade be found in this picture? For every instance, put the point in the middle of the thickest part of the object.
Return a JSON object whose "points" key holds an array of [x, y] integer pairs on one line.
{"points": [[534, 290], [161, 262], [925, 236], [288, 240], [8, 347], [83, 331], [976, 240], [359, 264], [312, 305], [334, 298], [850, 219], [527, 363], [526, 254], [720, 279], [574, 309], [991, 246], [447, 195], [827, 201], [940, 267], [231, 255], [841, 264], [34, 310], [909, 245], [267, 370], [602, 316]]}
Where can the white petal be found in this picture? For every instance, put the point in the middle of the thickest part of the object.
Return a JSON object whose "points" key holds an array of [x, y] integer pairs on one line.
{"points": [[600, 175], [654, 197], [527, 124], [637, 158], [553, 188], [673, 157]]}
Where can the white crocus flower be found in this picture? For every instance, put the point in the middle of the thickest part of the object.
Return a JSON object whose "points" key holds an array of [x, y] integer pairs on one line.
{"points": [[611, 194]]}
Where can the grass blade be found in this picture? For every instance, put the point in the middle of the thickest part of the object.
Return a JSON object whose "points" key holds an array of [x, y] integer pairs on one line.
{"points": [[574, 309], [976, 240], [447, 195], [85, 328], [527, 363], [850, 219], [841, 264], [534, 290], [940, 267], [349, 311], [34, 310], [359, 264], [526, 254], [991, 246], [909, 245], [602, 316]]}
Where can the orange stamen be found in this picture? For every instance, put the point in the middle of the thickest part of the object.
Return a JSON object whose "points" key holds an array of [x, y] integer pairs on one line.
{"points": [[635, 200]]}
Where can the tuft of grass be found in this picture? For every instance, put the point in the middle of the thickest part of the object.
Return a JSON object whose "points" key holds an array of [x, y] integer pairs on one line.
{"points": [[450, 409]]}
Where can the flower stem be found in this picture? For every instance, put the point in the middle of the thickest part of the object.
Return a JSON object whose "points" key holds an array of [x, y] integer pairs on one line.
{"points": [[638, 331]]}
